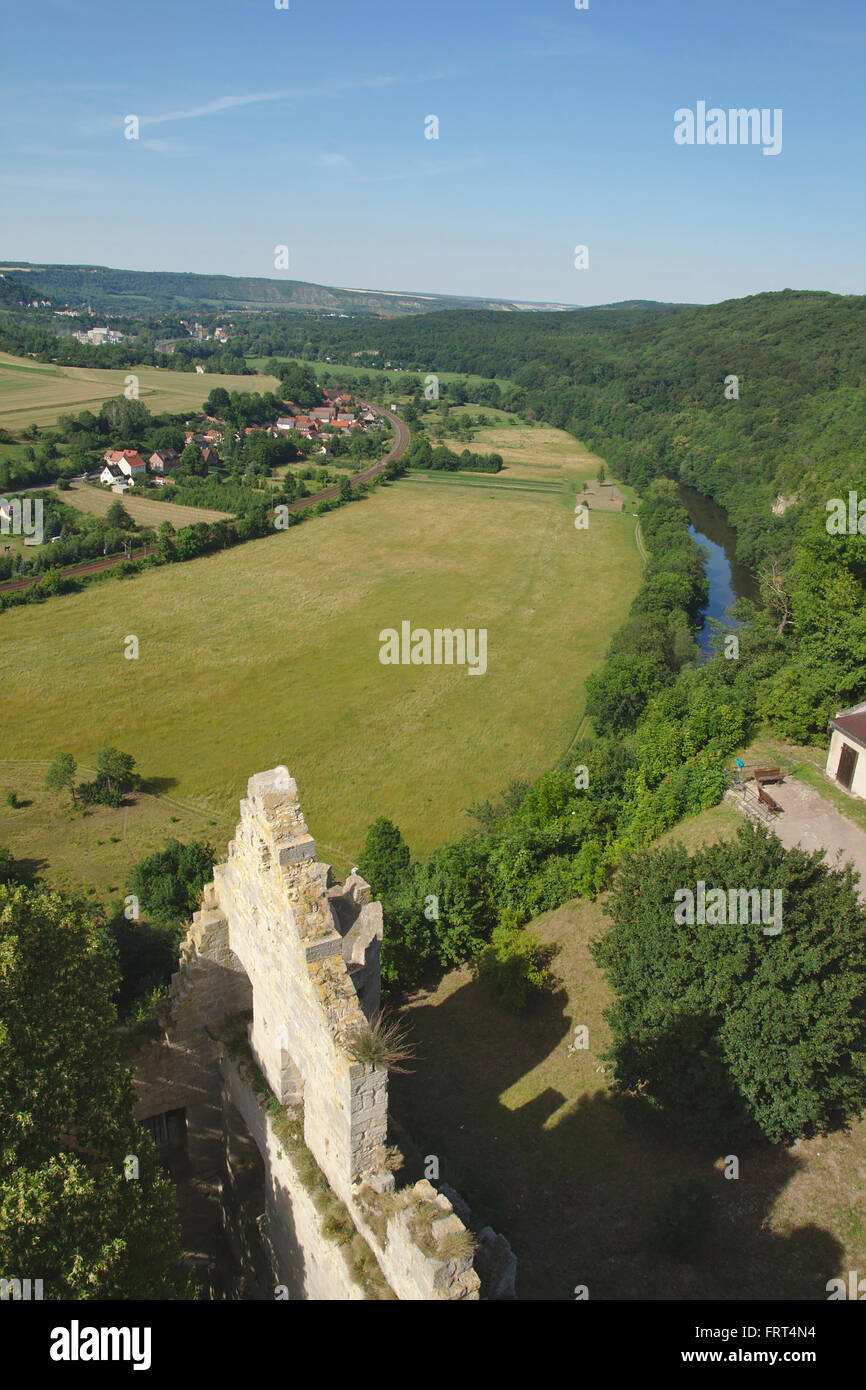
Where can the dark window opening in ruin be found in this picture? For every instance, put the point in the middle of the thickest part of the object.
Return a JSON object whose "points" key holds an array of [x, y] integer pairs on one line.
{"points": [[168, 1131]]}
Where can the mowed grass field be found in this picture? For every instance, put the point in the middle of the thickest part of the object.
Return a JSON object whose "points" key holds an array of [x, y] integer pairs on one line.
{"points": [[535, 1139], [143, 510], [91, 848], [535, 452], [269, 654], [38, 392]]}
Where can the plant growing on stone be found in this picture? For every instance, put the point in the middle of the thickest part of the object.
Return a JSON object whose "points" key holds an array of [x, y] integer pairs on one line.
{"points": [[451, 1245], [457, 1245], [380, 1044], [387, 1156]]}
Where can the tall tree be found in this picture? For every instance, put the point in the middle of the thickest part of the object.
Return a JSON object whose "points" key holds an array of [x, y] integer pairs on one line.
{"points": [[61, 774], [725, 1026], [69, 1212]]}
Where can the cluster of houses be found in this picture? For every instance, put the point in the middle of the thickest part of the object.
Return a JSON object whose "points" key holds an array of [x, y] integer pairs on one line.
{"points": [[335, 415], [123, 468]]}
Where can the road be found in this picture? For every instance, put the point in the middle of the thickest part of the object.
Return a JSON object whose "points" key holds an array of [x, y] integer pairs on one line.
{"points": [[398, 448]]}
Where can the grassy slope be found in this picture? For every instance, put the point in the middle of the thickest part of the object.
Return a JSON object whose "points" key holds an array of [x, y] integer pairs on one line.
{"points": [[533, 1137], [92, 848]]}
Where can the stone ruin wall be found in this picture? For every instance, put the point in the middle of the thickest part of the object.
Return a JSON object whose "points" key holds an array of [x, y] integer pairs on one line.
{"points": [[273, 935], [286, 930]]}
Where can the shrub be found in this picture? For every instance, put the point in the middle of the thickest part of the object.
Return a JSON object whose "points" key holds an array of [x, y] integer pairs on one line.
{"points": [[510, 968]]}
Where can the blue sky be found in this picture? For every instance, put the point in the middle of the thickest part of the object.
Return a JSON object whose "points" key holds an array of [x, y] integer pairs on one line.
{"points": [[305, 127]]}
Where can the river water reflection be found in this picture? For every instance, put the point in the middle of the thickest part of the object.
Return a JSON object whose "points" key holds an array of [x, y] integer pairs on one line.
{"points": [[728, 581]]}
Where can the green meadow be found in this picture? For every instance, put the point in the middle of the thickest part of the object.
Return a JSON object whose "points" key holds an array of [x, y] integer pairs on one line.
{"points": [[269, 654], [38, 392]]}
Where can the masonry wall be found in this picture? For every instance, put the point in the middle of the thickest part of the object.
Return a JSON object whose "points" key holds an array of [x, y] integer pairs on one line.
{"points": [[308, 1264], [276, 938], [284, 929]]}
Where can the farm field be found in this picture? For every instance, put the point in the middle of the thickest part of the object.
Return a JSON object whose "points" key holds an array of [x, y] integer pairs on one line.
{"points": [[270, 654], [143, 510], [536, 452], [39, 392], [535, 1139]]}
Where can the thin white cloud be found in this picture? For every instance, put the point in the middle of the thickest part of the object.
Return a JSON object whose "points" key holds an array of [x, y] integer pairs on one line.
{"points": [[49, 182], [331, 160], [230, 103]]}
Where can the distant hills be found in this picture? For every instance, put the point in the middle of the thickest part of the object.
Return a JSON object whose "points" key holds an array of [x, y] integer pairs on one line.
{"points": [[109, 291]]}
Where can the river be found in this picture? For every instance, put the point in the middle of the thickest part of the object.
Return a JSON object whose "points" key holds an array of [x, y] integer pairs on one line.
{"points": [[709, 525]]}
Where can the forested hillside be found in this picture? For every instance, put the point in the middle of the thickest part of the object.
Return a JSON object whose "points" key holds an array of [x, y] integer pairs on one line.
{"points": [[650, 395], [152, 291]]}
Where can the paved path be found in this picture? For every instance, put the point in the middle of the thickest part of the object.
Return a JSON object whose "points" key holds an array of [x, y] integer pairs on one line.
{"points": [[812, 823]]}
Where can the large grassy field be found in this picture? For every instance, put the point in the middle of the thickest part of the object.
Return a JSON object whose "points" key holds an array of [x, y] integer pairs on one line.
{"points": [[145, 511], [38, 392], [269, 654], [534, 452], [533, 1136]]}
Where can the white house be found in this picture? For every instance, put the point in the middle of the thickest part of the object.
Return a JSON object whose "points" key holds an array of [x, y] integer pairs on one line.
{"points": [[112, 474], [130, 463], [846, 760]]}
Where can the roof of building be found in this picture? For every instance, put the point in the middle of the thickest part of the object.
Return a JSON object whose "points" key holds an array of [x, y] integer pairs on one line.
{"points": [[852, 723]]}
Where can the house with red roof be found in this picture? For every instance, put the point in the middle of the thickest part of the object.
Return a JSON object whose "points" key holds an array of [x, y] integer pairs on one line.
{"points": [[129, 461]]}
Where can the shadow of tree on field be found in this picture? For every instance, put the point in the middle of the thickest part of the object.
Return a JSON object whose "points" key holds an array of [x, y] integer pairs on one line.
{"points": [[28, 870], [157, 786], [576, 1185]]}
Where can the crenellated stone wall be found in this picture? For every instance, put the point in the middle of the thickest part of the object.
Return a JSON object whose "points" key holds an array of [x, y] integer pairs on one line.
{"points": [[276, 937]]}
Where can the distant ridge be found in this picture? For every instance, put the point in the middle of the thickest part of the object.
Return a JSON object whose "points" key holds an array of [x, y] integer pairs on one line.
{"points": [[110, 291]]}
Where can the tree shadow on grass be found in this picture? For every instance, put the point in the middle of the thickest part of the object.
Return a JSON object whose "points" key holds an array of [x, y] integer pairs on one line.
{"points": [[28, 870], [157, 786], [576, 1181]]}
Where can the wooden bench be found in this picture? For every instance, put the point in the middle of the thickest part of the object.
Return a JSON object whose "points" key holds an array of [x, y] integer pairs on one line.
{"points": [[767, 774], [767, 799]]}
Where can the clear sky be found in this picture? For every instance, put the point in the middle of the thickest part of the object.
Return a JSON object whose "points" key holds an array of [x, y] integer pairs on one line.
{"points": [[305, 127]]}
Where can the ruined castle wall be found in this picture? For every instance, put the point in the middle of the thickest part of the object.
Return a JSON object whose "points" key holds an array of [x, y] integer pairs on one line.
{"points": [[180, 1071], [283, 928], [274, 938], [308, 1264]]}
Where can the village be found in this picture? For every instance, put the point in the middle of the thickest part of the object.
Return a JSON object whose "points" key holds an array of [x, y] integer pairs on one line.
{"points": [[339, 415]]}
